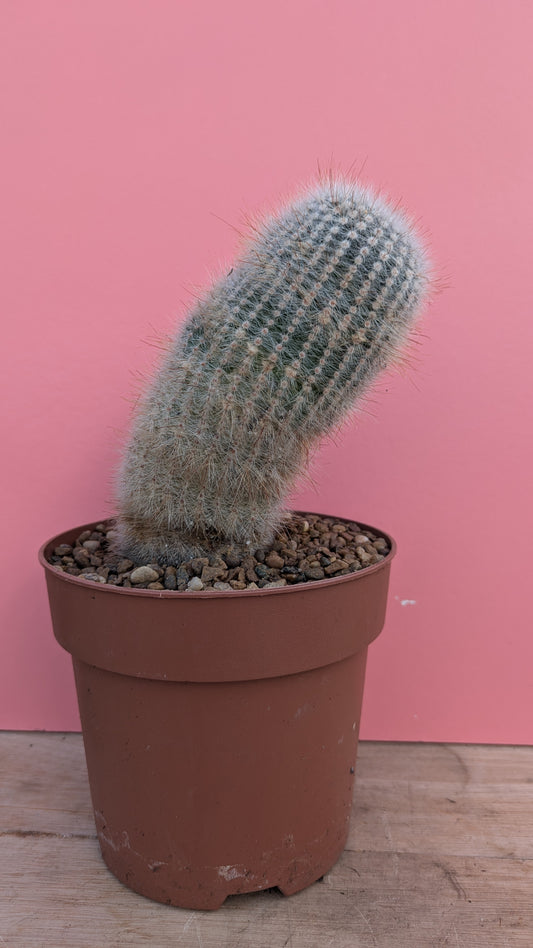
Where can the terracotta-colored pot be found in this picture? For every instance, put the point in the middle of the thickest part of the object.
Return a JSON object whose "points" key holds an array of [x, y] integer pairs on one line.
{"points": [[220, 728]]}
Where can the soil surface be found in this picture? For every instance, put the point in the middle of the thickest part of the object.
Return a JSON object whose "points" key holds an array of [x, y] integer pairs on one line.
{"points": [[308, 548]]}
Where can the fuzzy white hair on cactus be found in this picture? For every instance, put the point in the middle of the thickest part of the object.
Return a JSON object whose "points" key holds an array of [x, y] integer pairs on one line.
{"points": [[321, 299]]}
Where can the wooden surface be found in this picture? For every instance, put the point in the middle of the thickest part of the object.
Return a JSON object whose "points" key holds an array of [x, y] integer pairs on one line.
{"points": [[440, 853]]}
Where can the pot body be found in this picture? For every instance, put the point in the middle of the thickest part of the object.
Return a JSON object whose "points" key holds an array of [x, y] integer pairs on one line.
{"points": [[220, 728]]}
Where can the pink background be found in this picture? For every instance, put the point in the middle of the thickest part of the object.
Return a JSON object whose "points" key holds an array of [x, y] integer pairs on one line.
{"points": [[134, 131]]}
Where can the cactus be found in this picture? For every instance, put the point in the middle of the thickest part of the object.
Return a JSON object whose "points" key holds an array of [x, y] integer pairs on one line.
{"points": [[272, 358]]}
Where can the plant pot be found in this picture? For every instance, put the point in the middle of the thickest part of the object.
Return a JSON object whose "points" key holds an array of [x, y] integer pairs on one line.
{"points": [[220, 728]]}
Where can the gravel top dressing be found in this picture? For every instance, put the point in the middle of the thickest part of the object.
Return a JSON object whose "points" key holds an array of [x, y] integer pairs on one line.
{"points": [[308, 548]]}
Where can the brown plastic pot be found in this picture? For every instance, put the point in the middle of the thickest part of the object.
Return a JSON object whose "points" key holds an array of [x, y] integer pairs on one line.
{"points": [[220, 728]]}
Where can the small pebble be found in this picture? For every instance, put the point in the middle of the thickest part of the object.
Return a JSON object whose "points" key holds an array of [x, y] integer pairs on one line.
{"points": [[81, 556], [64, 549], [274, 560], [211, 574], [144, 574], [183, 576], [338, 542], [91, 545], [335, 567], [195, 584], [362, 554], [170, 581], [198, 563], [124, 565], [216, 560], [232, 557]]}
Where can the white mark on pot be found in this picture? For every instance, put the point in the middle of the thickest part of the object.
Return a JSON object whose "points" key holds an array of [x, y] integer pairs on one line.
{"points": [[116, 840], [288, 841], [354, 725], [154, 866], [341, 739], [303, 710], [124, 840], [230, 872]]}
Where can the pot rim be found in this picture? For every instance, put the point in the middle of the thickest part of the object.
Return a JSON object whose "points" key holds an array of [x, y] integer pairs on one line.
{"points": [[216, 635], [48, 546]]}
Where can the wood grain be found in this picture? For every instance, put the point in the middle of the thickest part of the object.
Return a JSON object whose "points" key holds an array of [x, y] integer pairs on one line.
{"points": [[440, 853]]}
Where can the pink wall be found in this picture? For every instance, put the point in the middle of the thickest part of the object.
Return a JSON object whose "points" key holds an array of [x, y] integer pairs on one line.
{"points": [[133, 130]]}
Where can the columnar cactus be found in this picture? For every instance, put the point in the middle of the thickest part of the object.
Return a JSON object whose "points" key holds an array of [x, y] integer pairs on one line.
{"points": [[276, 354]]}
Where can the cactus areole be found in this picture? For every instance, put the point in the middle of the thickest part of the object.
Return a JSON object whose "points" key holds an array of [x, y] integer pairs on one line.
{"points": [[276, 354]]}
